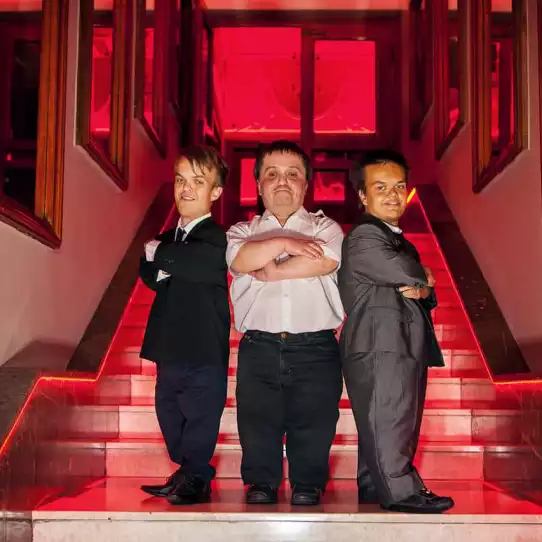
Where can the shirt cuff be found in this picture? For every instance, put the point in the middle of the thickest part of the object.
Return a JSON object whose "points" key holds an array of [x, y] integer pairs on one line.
{"points": [[150, 250], [162, 275]]}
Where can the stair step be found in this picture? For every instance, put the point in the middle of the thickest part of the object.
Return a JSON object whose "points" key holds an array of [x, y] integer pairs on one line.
{"points": [[136, 315], [455, 359], [130, 338], [448, 424], [147, 457], [442, 387]]}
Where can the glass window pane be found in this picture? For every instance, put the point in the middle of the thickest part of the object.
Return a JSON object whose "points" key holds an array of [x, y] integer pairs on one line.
{"points": [[503, 81], [267, 61], [454, 68], [21, 49], [249, 192], [345, 90], [102, 67], [329, 186], [149, 74]]}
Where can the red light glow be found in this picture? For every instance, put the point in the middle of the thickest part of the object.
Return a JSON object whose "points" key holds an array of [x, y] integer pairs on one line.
{"points": [[495, 380], [40, 382]]}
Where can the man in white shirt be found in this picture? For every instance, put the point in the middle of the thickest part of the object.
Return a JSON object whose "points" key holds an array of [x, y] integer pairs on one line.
{"points": [[287, 304]]}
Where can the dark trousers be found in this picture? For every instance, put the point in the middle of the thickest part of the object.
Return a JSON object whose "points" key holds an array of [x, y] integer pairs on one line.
{"points": [[287, 384], [387, 394], [189, 401]]}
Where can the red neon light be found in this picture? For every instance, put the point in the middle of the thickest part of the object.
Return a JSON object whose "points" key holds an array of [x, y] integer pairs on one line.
{"points": [[83, 380], [536, 380]]}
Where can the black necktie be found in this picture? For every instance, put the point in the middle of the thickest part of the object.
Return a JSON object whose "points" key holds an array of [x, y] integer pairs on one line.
{"points": [[179, 236]]}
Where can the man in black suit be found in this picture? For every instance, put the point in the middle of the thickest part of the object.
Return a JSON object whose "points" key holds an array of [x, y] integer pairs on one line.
{"points": [[188, 330], [388, 340]]}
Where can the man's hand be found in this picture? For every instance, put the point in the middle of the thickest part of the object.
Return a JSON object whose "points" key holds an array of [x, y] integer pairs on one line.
{"points": [[411, 292], [430, 277], [303, 247], [266, 273], [150, 249]]}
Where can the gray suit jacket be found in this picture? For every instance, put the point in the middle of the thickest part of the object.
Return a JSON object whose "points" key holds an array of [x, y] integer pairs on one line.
{"points": [[375, 262]]}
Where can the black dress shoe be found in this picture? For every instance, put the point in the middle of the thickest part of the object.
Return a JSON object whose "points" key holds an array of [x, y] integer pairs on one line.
{"points": [[368, 495], [422, 502], [259, 494], [191, 490], [163, 490], [306, 496]]}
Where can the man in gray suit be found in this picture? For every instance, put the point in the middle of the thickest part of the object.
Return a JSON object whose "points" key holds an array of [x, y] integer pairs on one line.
{"points": [[388, 339]]}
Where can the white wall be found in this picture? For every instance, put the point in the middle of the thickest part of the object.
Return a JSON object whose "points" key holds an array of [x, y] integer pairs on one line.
{"points": [[502, 224], [50, 295]]}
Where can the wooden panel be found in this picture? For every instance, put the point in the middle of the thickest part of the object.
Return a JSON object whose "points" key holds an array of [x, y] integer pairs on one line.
{"points": [[113, 158], [45, 224], [510, 33]]}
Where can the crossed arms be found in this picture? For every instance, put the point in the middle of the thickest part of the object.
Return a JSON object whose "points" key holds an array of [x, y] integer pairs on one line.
{"points": [[308, 257], [372, 258], [201, 261]]}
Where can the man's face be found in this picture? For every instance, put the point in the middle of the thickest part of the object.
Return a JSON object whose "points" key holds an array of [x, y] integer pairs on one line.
{"points": [[283, 183], [195, 190], [385, 193]]}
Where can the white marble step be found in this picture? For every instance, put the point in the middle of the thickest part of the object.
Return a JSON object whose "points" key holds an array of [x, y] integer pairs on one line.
{"points": [[435, 460], [444, 421], [117, 510]]}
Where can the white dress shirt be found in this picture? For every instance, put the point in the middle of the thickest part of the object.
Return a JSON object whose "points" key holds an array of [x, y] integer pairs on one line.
{"points": [[394, 229], [151, 246], [292, 305]]}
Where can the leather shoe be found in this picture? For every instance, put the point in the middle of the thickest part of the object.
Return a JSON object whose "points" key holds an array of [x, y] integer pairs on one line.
{"points": [[368, 495], [306, 496], [260, 494], [422, 502], [191, 490], [163, 490]]}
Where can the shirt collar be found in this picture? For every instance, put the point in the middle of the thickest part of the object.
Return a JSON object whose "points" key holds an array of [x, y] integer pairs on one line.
{"points": [[394, 229], [301, 213], [191, 225]]}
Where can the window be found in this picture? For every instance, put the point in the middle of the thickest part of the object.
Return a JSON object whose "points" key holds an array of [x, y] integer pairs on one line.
{"points": [[450, 70], [344, 87], [421, 63], [103, 85], [32, 118], [151, 47], [207, 77], [329, 186], [259, 54], [249, 189], [175, 56], [500, 126]]}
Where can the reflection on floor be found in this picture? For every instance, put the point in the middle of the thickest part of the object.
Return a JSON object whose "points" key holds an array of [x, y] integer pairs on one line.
{"points": [[124, 495]]}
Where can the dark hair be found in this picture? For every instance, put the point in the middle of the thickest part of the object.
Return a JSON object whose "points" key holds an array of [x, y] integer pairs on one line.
{"points": [[371, 158], [207, 158], [281, 145]]}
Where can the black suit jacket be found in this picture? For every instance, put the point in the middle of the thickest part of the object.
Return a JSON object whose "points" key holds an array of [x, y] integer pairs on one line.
{"points": [[189, 321], [375, 262]]}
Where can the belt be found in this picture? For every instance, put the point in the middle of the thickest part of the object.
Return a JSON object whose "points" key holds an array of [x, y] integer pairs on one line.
{"points": [[286, 335]]}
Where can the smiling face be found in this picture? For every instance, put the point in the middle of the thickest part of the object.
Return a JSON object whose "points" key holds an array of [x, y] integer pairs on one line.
{"points": [[385, 194], [195, 190], [283, 183]]}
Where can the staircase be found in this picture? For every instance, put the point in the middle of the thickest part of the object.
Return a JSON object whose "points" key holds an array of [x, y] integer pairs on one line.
{"points": [[470, 439]]}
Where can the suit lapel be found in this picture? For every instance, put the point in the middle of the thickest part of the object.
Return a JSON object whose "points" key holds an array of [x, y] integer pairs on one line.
{"points": [[204, 224]]}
